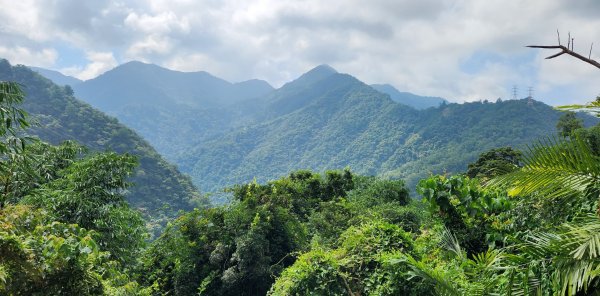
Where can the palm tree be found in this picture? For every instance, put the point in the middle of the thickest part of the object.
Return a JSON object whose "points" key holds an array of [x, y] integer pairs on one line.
{"points": [[562, 261], [566, 172]]}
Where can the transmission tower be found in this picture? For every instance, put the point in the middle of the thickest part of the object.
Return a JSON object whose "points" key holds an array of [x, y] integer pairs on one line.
{"points": [[530, 96], [514, 92]]}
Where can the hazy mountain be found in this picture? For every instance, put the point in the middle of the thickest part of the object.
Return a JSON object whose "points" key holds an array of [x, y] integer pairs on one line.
{"points": [[159, 188], [173, 110], [406, 98], [327, 120], [57, 77], [136, 83]]}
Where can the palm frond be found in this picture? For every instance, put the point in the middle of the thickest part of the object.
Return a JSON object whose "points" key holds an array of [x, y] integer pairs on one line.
{"points": [[574, 252], [576, 275], [540, 245], [555, 169], [488, 260], [528, 285], [592, 107], [583, 237], [442, 282], [450, 242]]}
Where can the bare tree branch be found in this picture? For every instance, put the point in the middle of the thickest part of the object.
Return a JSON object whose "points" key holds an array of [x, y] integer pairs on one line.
{"points": [[567, 51]]}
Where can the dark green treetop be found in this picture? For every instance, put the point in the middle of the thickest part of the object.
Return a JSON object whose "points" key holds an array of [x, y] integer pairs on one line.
{"points": [[568, 123], [495, 162]]}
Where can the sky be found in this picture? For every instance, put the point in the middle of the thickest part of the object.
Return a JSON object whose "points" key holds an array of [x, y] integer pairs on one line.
{"points": [[460, 50]]}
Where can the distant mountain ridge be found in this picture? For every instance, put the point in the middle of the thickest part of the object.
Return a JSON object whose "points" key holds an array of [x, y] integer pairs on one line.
{"points": [[135, 83], [409, 99], [57, 77]]}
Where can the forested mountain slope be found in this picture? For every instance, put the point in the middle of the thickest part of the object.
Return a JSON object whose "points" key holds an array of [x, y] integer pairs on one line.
{"points": [[329, 120], [173, 110], [159, 188]]}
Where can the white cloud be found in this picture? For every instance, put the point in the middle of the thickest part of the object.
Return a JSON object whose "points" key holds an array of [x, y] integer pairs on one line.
{"points": [[157, 24], [45, 57], [98, 63], [23, 18], [418, 46], [149, 45]]}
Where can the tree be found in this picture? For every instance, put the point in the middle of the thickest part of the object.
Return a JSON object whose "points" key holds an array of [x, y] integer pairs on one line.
{"points": [[12, 119], [473, 213], [358, 266], [90, 194], [568, 123], [495, 162], [42, 257], [39, 163], [58, 244]]}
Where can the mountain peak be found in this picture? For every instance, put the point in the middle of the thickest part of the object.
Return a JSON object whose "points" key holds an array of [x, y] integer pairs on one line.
{"points": [[316, 74], [138, 65], [324, 68], [134, 63]]}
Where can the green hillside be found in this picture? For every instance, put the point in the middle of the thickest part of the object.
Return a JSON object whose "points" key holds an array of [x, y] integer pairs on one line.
{"points": [[333, 121], [159, 188]]}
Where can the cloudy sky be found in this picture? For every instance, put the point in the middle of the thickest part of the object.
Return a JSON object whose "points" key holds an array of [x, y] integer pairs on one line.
{"points": [[460, 50]]}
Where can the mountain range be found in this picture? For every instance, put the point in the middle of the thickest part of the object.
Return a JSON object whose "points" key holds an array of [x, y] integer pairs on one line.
{"points": [[330, 121], [322, 120], [173, 110]]}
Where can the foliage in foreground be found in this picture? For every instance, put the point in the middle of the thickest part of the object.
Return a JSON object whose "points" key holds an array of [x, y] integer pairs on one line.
{"points": [[558, 256], [65, 227]]}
